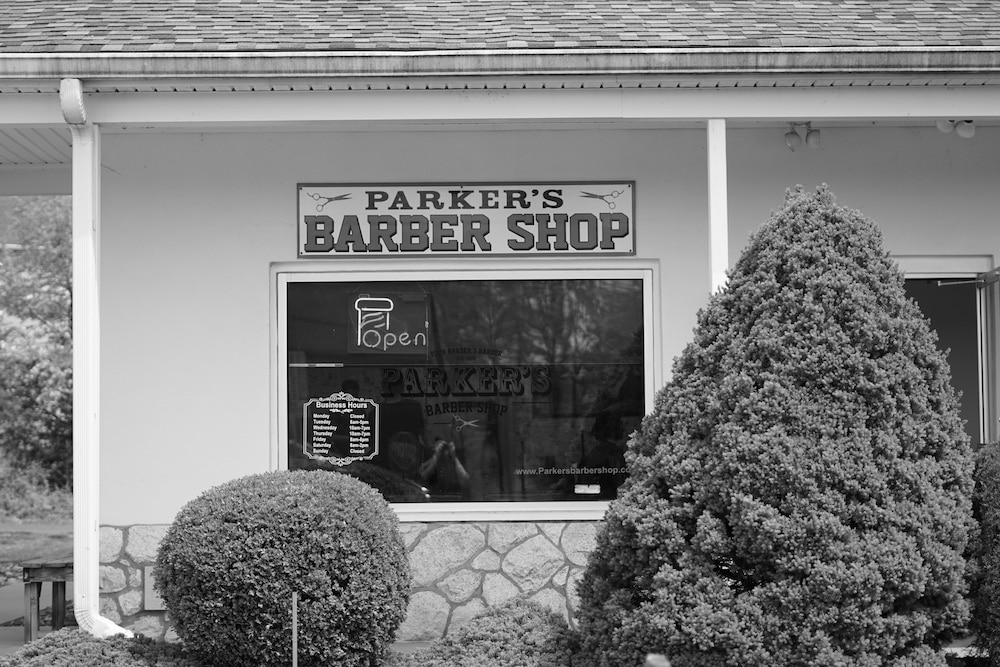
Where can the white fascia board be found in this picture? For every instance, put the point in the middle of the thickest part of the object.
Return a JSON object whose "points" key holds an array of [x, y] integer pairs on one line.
{"points": [[416, 106]]}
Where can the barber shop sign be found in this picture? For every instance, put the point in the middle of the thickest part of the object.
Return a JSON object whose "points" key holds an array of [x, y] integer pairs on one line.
{"points": [[481, 218]]}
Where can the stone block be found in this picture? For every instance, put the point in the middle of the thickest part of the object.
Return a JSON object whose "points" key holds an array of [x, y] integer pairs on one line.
{"points": [[503, 536], [151, 600], [426, 618], [442, 550], [532, 564], [552, 530], [578, 541], [143, 541], [112, 579], [112, 539], [497, 589], [410, 532], [487, 561], [130, 602], [109, 609], [461, 586]]}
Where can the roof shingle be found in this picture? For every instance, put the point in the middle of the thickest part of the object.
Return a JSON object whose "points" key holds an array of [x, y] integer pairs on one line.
{"points": [[192, 26]]}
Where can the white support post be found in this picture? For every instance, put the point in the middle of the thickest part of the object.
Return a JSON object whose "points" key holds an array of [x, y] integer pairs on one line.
{"points": [[718, 204]]}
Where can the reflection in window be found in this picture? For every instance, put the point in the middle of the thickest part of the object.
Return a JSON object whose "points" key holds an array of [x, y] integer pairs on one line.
{"points": [[467, 390]]}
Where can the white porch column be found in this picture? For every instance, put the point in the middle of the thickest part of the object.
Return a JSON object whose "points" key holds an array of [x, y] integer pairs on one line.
{"points": [[718, 206], [86, 362]]}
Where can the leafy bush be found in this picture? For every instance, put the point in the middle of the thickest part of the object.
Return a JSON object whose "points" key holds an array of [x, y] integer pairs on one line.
{"points": [[228, 565], [36, 392], [27, 495], [801, 492], [75, 648], [987, 581], [36, 397], [519, 633]]}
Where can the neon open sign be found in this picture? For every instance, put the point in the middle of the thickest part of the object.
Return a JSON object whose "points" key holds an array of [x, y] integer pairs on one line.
{"points": [[390, 324]]}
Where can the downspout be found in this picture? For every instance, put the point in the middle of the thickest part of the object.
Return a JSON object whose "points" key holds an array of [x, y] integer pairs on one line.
{"points": [[86, 364]]}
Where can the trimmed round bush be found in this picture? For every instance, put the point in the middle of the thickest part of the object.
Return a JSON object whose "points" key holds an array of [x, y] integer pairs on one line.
{"points": [[801, 492], [228, 566]]}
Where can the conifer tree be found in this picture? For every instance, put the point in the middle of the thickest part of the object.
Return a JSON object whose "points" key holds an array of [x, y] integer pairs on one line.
{"points": [[801, 492]]}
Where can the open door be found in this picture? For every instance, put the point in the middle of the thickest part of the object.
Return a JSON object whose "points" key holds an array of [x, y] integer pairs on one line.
{"points": [[952, 303], [988, 285]]}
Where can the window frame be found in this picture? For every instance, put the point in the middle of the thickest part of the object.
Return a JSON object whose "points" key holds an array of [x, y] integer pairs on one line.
{"points": [[352, 271]]}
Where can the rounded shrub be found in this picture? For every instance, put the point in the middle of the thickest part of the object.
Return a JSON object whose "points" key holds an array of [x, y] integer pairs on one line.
{"points": [[228, 566], [518, 633], [801, 492]]}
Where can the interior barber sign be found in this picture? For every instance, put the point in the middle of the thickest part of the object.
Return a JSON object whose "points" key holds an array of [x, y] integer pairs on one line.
{"points": [[481, 218]]}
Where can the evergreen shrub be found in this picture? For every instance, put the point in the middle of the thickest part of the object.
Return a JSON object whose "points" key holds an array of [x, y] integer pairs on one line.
{"points": [[228, 566], [987, 579], [801, 492], [75, 648], [519, 633]]}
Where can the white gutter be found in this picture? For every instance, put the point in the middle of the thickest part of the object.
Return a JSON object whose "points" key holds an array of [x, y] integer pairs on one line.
{"points": [[86, 365], [514, 61]]}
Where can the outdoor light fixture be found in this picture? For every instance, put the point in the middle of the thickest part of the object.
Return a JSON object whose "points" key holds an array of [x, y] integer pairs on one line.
{"points": [[812, 137], [963, 128], [794, 140]]}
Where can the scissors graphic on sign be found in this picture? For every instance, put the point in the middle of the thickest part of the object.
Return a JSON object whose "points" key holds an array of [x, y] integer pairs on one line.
{"points": [[322, 201], [607, 199], [465, 422]]}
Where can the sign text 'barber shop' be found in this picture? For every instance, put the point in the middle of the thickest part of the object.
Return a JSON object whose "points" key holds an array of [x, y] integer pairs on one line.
{"points": [[491, 218]]}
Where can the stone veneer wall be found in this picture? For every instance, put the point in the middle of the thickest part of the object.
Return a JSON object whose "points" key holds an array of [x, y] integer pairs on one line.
{"points": [[459, 569]]}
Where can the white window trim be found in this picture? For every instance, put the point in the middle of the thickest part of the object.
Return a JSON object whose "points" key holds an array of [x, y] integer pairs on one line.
{"points": [[454, 268]]}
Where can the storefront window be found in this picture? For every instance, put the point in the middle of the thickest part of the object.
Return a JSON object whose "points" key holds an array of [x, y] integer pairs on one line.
{"points": [[507, 388]]}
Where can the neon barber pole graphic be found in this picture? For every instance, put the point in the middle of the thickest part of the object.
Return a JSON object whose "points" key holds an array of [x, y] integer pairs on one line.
{"points": [[373, 316], [395, 324]]}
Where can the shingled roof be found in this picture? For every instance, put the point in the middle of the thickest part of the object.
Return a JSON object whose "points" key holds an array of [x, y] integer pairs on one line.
{"points": [[147, 26]]}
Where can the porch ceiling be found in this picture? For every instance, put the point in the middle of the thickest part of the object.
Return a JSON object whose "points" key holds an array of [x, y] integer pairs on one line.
{"points": [[34, 146]]}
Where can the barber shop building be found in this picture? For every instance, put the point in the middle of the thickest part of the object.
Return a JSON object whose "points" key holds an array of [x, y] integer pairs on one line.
{"points": [[452, 248]]}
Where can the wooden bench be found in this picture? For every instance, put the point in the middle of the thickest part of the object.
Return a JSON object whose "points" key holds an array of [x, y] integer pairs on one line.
{"points": [[57, 570]]}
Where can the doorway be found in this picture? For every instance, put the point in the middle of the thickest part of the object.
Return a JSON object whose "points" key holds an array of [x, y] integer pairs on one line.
{"points": [[952, 306]]}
